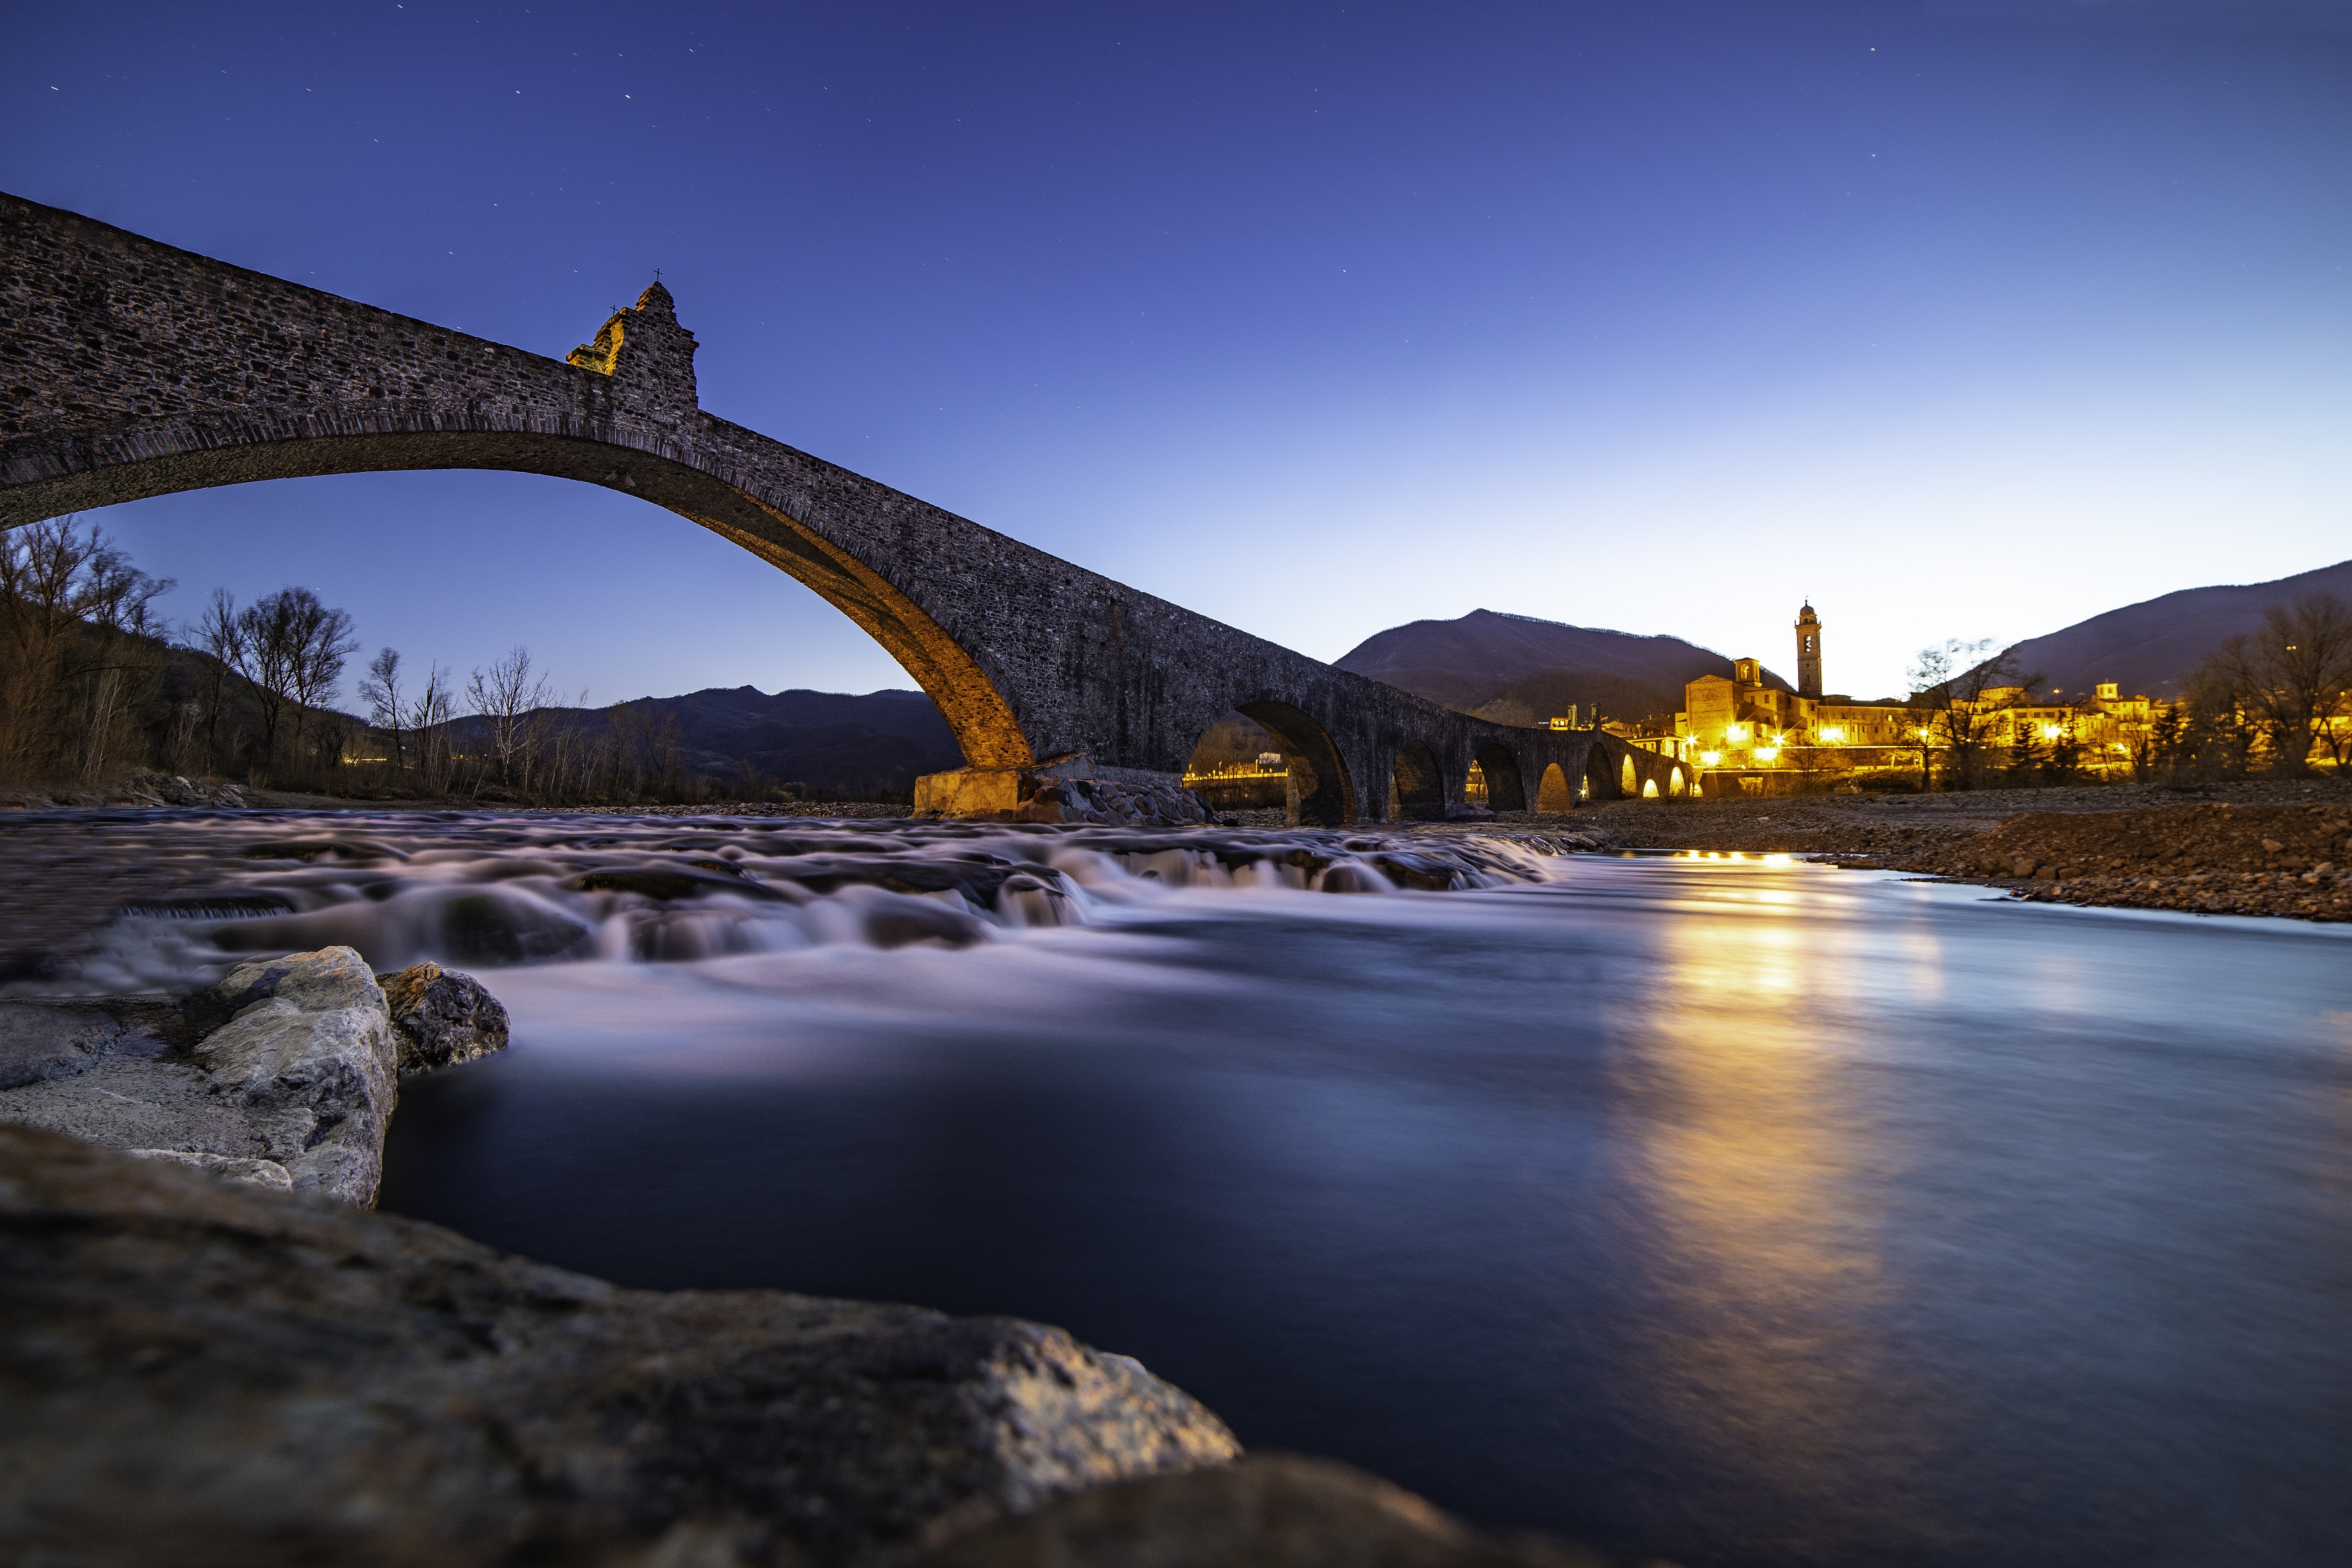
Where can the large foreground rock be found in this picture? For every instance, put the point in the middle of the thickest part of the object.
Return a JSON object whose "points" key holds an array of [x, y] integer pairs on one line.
{"points": [[284, 1073], [195, 1372], [1274, 1511]]}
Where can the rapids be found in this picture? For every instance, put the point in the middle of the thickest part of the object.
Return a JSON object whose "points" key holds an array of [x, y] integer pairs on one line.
{"points": [[482, 890]]}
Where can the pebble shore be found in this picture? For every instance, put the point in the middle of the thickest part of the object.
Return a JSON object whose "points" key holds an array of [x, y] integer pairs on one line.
{"points": [[2276, 847]]}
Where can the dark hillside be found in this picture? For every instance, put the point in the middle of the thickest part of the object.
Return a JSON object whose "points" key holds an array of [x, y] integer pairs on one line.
{"points": [[1468, 662], [830, 741], [2148, 647], [1537, 699]]}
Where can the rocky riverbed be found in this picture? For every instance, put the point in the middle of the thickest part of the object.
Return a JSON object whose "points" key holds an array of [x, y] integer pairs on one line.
{"points": [[2258, 848]]}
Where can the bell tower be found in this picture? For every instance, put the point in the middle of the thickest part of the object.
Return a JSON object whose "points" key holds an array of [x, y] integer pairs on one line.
{"points": [[1808, 652]]}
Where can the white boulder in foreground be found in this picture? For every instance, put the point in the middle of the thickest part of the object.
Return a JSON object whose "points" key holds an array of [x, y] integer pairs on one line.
{"points": [[308, 1035], [285, 1074]]}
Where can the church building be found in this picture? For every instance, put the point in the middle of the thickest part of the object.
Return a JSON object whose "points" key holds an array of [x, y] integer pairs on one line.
{"points": [[1750, 726]]}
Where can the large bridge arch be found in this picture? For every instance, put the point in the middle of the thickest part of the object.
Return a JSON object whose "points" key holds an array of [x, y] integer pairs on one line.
{"points": [[134, 369], [614, 457]]}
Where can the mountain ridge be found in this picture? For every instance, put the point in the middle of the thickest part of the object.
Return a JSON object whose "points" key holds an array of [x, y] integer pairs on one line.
{"points": [[838, 740], [2148, 648], [1469, 661]]}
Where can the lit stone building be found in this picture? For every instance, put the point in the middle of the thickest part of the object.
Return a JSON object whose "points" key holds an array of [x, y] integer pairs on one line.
{"points": [[2103, 729], [1744, 734]]}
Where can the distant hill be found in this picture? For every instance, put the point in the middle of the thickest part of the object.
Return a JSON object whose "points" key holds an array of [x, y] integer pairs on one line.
{"points": [[1469, 662], [2148, 647], [832, 741], [1536, 699]]}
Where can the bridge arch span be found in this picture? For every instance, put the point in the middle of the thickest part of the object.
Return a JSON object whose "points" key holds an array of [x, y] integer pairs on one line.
{"points": [[617, 455], [136, 369], [1552, 791], [1320, 790]]}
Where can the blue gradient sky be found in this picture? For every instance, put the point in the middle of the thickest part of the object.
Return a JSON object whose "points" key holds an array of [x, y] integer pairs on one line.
{"points": [[1968, 319]]}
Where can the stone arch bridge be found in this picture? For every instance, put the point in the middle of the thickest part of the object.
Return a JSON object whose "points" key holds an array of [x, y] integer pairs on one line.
{"points": [[130, 369]]}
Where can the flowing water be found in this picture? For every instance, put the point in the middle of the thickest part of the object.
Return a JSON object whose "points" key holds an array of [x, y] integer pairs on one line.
{"points": [[1733, 1210]]}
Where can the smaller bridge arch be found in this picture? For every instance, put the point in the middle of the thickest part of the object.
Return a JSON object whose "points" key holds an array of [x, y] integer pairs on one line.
{"points": [[1318, 793], [1506, 791]]}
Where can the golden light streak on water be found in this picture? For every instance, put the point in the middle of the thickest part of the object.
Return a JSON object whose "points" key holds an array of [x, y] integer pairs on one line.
{"points": [[1759, 1175]]}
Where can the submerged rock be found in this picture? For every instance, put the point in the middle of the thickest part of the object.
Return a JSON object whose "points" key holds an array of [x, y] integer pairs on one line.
{"points": [[203, 1373], [442, 1017], [1113, 803]]}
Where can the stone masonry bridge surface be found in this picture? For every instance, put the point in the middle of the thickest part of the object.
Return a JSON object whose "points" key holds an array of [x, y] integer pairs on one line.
{"points": [[130, 369]]}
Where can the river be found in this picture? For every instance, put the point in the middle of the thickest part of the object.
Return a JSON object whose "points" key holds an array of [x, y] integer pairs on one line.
{"points": [[1733, 1210]]}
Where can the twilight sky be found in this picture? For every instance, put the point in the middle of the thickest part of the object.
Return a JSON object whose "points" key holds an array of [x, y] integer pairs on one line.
{"points": [[1968, 319]]}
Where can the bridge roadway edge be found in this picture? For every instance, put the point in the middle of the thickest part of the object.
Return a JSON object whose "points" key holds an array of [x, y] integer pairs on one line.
{"points": [[130, 368]]}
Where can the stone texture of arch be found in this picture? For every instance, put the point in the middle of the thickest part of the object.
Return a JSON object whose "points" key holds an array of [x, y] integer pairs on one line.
{"points": [[133, 369], [1417, 788]]}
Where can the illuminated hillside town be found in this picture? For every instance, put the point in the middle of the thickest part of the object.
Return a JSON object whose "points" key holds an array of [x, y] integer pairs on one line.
{"points": [[1745, 733]]}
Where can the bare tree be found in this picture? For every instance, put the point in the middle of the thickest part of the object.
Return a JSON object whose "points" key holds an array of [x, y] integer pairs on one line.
{"points": [[429, 713], [381, 691], [292, 650], [505, 695], [219, 635], [1950, 687], [319, 659], [118, 603], [73, 612], [2289, 680]]}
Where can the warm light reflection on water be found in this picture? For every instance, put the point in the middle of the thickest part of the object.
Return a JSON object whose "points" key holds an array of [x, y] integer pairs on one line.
{"points": [[1758, 1183]]}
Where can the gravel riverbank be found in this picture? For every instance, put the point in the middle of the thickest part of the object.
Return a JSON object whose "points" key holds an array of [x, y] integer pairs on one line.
{"points": [[2255, 848]]}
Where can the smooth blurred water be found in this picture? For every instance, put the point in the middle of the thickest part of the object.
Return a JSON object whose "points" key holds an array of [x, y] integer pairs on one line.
{"points": [[1728, 1211]]}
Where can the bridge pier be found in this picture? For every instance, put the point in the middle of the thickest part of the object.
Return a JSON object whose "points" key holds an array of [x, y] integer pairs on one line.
{"points": [[1049, 791]]}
